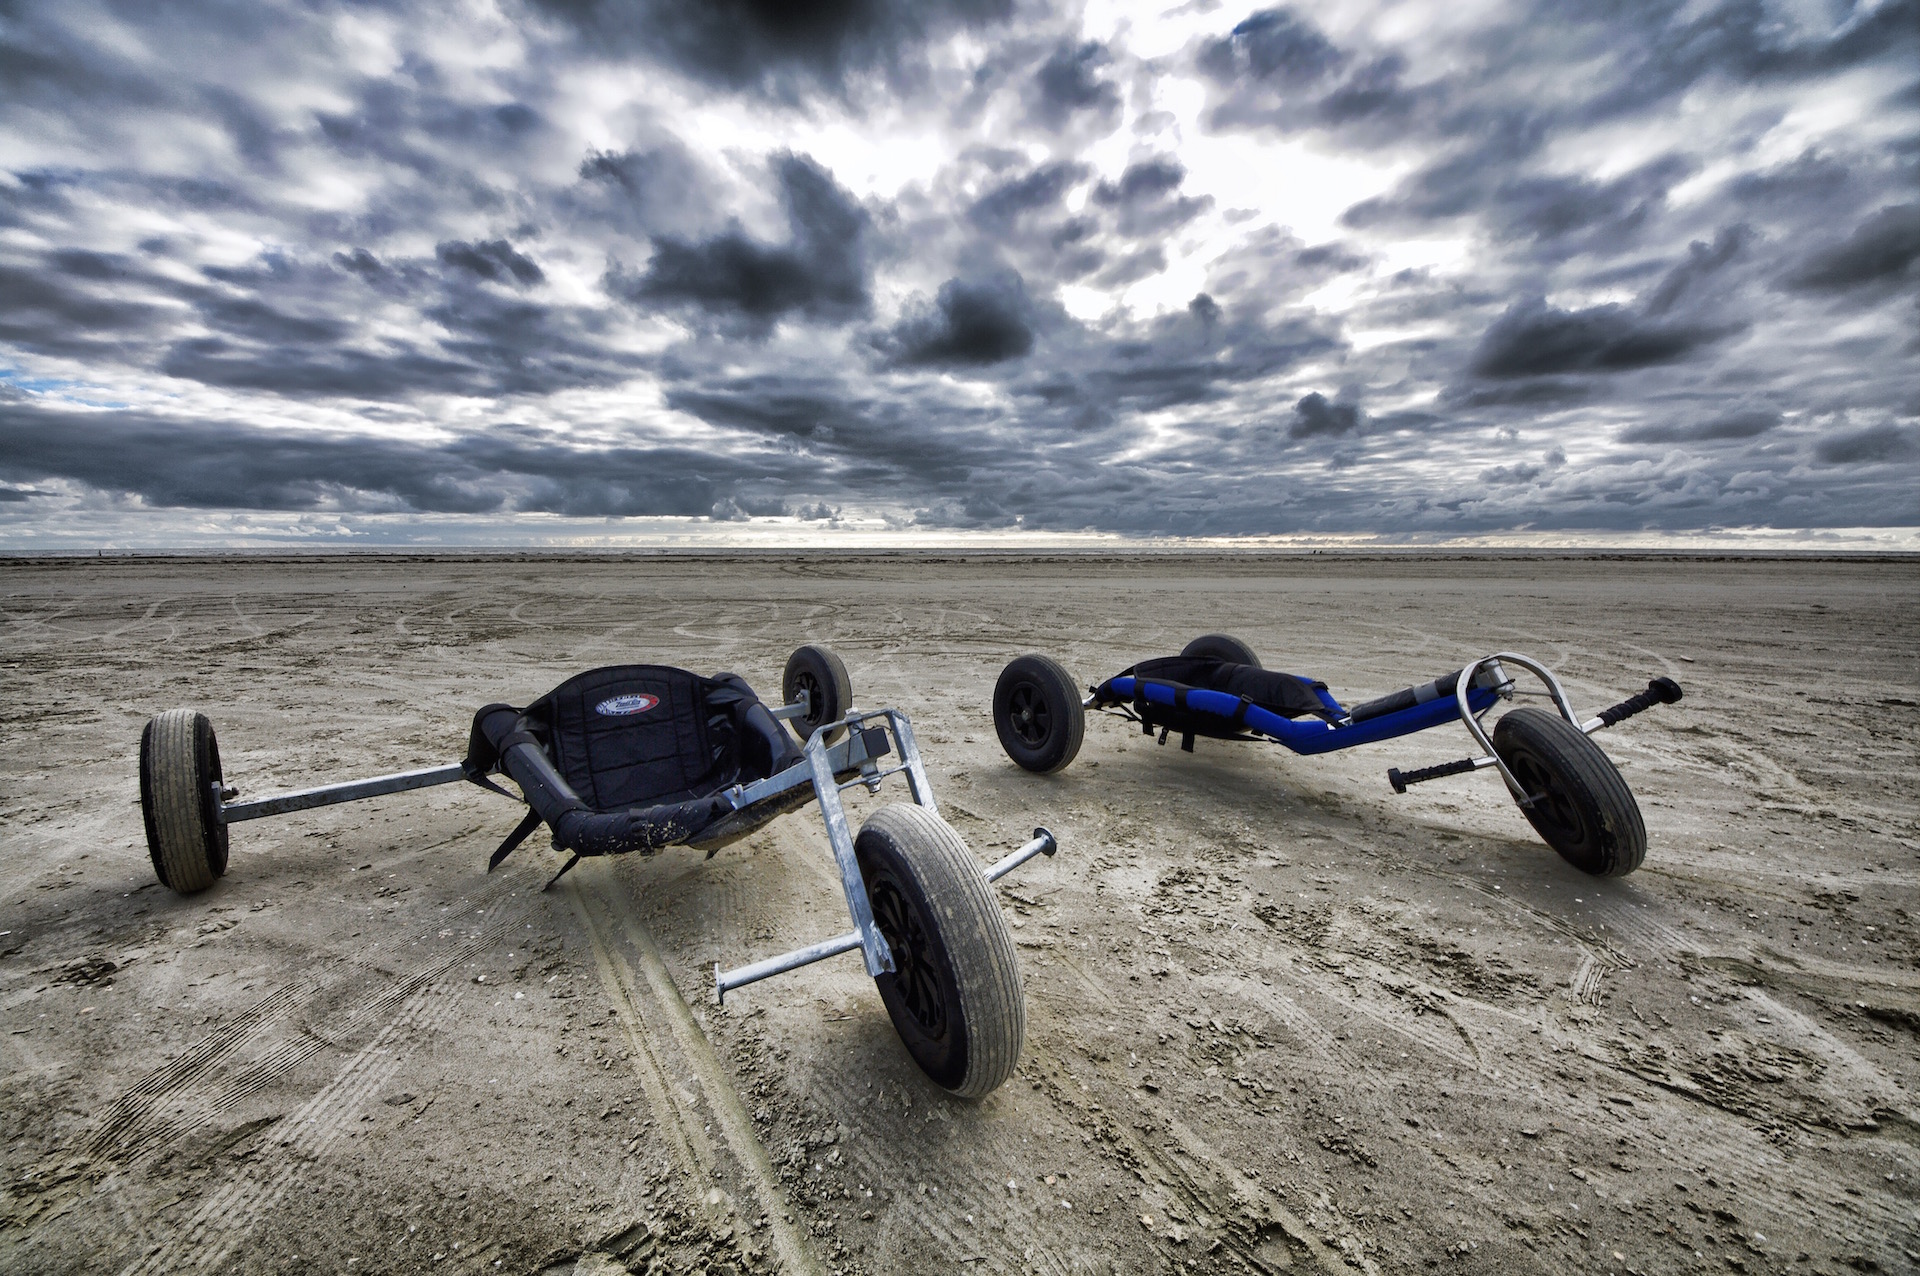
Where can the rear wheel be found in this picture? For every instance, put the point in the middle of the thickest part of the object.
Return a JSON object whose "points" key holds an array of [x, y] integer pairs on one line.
{"points": [[1222, 647], [1037, 713], [954, 994], [1582, 808], [179, 769], [823, 676]]}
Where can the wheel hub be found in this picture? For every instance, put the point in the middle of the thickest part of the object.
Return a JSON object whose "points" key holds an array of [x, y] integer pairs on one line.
{"points": [[1550, 802], [1029, 715], [808, 683], [915, 974]]}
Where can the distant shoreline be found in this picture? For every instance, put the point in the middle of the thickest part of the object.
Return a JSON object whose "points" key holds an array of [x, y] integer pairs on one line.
{"points": [[932, 554]]}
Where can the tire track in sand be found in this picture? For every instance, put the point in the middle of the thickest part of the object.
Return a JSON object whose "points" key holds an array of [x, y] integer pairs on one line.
{"points": [[226, 1218], [134, 1106], [606, 912], [130, 1130], [1205, 1179], [138, 1143]]}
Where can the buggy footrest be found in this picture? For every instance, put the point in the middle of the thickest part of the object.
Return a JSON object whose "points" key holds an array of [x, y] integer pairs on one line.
{"points": [[1659, 691], [1401, 779]]}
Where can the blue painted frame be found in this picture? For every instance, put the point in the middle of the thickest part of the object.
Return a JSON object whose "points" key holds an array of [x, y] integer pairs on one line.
{"points": [[1312, 735]]}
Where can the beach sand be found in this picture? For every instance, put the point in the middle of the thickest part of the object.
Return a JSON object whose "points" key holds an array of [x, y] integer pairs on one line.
{"points": [[1278, 1017]]}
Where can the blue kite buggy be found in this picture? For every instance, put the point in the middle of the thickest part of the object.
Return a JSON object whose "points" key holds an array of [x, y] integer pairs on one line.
{"points": [[1566, 787]]}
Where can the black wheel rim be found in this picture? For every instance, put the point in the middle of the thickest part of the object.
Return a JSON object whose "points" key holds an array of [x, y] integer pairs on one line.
{"points": [[815, 709], [211, 777], [1553, 809], [916, 974], [1027, 714]]}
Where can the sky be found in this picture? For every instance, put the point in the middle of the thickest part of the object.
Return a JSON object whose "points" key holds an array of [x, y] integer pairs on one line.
{"points": [[495, 272]]}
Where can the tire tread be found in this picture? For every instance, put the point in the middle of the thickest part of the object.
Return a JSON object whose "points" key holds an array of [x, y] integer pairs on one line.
{"points": [[975, 934], [825, 665], [1055, 755], [175, 808], [1576, 756]]}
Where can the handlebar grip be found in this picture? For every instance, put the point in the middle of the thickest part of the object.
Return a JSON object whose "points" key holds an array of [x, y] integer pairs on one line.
{"points": [[1401, 779], [1659, 691]]}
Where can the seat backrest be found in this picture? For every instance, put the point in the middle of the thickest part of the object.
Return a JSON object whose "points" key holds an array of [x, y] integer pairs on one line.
{"points": [[635, 735], [1286, 694]]}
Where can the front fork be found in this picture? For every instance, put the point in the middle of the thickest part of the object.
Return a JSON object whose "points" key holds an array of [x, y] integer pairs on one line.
{"points": [[1659, 691], [861, 753]]}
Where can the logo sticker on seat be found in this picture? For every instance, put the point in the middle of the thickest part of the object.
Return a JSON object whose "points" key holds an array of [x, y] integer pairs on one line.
{"points": [[623, 706]]}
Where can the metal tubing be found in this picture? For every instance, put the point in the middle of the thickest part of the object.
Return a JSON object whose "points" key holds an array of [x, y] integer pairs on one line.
{"points": [[798, 709], [1479, 733], [870, 780], [725, 981], [917, 782], [840, 757], [826, 789], [328, 794], [1043, 843]]}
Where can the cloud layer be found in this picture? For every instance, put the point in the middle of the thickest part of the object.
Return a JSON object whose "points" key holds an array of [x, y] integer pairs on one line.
{"points": [[964, 265]]}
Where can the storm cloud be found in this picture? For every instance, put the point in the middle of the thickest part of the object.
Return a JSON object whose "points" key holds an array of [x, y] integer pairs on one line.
{"points": [[975, 323], [969, 264], [770, 46], [1535, 339], [1880, 251], [820, 272]]}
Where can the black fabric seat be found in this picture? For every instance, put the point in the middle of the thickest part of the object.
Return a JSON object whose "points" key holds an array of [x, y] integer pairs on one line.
{"points": [[640, 735], [1279, 693], [630, 757]]}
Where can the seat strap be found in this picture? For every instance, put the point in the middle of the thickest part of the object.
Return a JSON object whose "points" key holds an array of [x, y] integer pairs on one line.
{"points": [[476, 776], [564, 869], [519, 835]]}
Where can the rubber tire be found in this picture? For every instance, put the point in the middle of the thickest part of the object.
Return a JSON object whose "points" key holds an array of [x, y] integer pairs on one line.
{"points": [[824, 676], [1040, 688], [1588, 814], [179, 765], [921, 876], [1222, 647]]}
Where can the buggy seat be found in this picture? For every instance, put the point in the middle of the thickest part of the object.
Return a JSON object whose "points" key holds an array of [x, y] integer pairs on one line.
{"points": [[629, 757], [1236, 691]]}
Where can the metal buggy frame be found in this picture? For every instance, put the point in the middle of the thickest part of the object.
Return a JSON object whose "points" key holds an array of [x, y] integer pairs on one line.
{"points": [[948, 974]]}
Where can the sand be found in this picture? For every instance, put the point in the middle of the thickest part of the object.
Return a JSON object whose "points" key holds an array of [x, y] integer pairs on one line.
{"points": [[1279, 1018]]}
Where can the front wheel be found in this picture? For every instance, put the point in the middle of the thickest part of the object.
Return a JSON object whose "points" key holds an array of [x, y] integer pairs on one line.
{"points": [[1037, 714], [954, 993], [179, 769], [1582, 808], [820, 673]]}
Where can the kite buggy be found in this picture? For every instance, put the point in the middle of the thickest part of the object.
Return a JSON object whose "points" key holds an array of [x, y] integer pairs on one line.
{"points": [[640, 757], [1563, 783]]}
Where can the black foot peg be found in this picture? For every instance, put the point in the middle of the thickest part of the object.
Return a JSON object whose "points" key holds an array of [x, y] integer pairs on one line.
{"points": [[1659, 691], [1401, 779]]}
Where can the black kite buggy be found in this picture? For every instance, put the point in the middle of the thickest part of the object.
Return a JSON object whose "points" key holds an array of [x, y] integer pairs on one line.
{"points": [[1564, 784], [640, 757]]}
